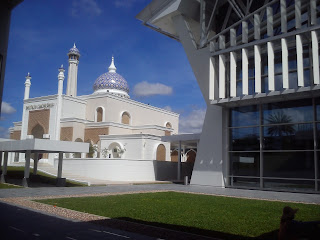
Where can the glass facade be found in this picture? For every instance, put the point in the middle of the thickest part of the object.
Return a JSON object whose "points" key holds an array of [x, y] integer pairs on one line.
{"points": [[275, 145]]}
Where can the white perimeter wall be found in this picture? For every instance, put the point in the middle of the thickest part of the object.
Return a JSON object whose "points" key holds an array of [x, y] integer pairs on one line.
{"points": [[120, 170]]}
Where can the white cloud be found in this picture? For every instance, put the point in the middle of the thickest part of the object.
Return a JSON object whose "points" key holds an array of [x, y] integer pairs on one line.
{"points": [[6, 108], [192, 123], [148, 89], [87, 7], [4, 132], [126, 3]]}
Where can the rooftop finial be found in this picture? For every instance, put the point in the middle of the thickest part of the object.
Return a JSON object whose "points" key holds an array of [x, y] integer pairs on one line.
{"points": [[112, 67], [28, 75], [74, 45]]}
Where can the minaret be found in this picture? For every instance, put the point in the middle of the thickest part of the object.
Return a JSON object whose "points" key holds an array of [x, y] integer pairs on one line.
{"points": [[27, 85], [74, 56], [60, 79], [59, 102]]}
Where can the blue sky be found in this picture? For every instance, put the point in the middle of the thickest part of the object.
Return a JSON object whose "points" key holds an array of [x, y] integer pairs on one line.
{"points": [[42, 32]]}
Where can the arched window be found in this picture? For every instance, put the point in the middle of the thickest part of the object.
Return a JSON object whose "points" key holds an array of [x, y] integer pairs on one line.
{"points": [[37, 131], [99, 114], [174, 156], [125, 118], [161, 152], [168, 133]]}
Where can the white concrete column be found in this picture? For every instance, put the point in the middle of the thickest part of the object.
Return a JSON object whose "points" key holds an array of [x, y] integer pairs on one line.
{"points": [[271, 81], [27, 85], [300, 69], [83, 155], [245, 72], [222, 69], [297, 11], [313, 10], [283, 11], [4, 168], [285, 64], [60, 165], [257, 66], [245, 61], [35, 163], [213, 83], [315, 57], [26, 169], [179, 162], [233, 65]]}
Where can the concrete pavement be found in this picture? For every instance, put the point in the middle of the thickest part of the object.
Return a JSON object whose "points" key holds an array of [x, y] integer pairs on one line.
{"points": [[243, 193]]}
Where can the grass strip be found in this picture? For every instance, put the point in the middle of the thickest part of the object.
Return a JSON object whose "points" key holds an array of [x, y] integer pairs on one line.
{"points": [[5, 185], [18, 173], [214, 216]]}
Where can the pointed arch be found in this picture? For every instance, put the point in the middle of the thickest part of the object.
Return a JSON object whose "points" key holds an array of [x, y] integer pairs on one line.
{"points": [[37, 131]]}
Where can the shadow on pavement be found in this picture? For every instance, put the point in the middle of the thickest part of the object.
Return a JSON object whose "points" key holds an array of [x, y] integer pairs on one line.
{"points": [[170, 231]]}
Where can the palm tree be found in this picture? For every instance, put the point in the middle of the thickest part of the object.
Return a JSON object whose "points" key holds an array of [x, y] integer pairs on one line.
{"points": [[280, 119]]}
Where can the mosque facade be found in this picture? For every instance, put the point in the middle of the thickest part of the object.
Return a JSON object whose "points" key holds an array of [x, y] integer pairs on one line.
{"points": [[124, 134]]}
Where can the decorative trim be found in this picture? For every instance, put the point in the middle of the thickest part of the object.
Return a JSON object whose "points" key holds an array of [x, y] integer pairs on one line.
{"points": [[40, 106]]}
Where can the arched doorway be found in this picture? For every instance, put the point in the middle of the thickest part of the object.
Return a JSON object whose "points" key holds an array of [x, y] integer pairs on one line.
{"points": [[115, 150], [191, 156], [37, 131], [161, 153]]}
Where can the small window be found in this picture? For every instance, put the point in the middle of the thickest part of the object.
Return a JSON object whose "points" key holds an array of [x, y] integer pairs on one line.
{"points": [[99, 114], [125, 119]]}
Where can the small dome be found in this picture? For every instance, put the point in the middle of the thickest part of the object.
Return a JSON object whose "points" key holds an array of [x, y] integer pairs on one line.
{"points": [[111, 82], [74, 50]]}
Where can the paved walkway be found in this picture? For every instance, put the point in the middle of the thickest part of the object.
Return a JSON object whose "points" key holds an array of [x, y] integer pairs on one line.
{"points": [[243, 193]]}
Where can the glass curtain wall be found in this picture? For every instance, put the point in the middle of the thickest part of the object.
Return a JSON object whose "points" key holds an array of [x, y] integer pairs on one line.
{"points": [[275, 145]]}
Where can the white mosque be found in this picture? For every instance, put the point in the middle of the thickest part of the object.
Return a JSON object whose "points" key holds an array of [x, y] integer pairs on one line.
{"points": [[124, 135]]}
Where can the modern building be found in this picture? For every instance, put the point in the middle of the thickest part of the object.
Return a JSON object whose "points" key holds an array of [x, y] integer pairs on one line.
{"points": [[257, 65], [124, 134]]}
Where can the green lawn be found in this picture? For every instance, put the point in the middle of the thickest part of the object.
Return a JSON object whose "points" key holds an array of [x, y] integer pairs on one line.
{"points": [[226, 217], [14, 174], [4, 185]]}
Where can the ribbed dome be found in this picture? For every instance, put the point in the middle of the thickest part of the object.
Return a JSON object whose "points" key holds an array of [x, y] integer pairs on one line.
{"points": [[111, 82]]}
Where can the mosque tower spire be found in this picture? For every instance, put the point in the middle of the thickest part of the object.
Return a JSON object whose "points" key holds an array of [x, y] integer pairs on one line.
{"points": [[27, 85], [74, 56], [112, 67]]}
